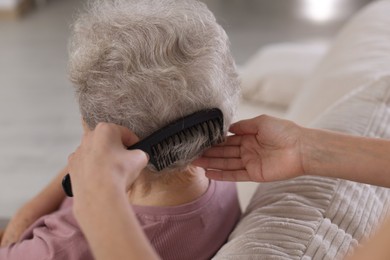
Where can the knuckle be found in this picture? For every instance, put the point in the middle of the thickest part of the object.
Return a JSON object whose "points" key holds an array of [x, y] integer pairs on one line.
{"points": [[264, 116], [70, 157]]}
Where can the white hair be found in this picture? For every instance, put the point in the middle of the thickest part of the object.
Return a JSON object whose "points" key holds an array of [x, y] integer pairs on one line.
{"points": [[145, 63]]}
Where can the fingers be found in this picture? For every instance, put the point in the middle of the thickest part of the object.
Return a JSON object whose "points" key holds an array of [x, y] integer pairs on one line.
{"points": [[235, 176], [229, 148], [71, 156], [232, 140], [222, 157], [8, 238], [111, 132], [248, 126], [137, 160], [127, 136], [223, 152], [220, 163]]}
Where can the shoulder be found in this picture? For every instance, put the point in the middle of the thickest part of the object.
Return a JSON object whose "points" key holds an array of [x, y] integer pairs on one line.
{"points": [[54, 236], [225, 190]]}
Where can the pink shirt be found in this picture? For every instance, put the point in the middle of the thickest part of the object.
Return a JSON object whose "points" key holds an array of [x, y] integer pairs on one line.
{"points": [[191, 231]]}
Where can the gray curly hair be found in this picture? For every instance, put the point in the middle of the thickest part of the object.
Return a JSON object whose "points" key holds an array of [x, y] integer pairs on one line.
{"points": [[145, 63]]}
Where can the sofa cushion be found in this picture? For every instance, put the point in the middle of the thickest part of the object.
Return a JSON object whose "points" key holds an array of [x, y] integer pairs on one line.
{"points": [[276, 73], [313, 217], [359, 55]]}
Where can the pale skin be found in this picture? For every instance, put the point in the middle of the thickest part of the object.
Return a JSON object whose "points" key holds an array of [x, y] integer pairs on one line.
{"points": [[101, 170], [161, 194], [270, 149]]}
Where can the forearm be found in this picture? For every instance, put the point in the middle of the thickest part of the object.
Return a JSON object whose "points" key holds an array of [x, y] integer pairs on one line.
{"points": [[119, 235], [348, 157], [49, 199]]}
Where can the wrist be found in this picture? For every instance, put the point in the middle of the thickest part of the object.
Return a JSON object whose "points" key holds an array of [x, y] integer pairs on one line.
{"points": [[28, 211], [91, 201], [310, 150], [323, 151]]}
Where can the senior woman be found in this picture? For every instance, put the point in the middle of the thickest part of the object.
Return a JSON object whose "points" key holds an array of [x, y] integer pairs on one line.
{"points": [[142, 64]]}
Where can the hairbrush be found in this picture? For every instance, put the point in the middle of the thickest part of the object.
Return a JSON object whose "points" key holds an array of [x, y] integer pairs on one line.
{"points": [[207, 121]]}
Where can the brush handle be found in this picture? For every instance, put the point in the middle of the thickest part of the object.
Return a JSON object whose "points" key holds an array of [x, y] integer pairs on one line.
{"points": [[67, 185]]}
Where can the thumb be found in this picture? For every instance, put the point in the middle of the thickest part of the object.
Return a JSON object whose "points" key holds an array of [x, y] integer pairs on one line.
{"points": [[244, 127], [128, 137], [136, 162], [137, 159]]}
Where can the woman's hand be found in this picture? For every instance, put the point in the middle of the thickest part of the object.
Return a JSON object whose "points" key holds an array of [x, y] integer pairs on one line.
{"points": [[271, 149], [263, 149], [103, 162], [101, 170]]}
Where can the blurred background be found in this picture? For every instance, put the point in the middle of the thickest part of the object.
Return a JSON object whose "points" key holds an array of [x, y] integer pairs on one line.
{"points": [[39, 119]]}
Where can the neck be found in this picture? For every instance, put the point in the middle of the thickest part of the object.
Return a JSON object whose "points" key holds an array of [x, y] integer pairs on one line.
{"points": [[172, 193]]}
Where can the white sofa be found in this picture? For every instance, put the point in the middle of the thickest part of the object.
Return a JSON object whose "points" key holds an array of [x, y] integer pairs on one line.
{"points": [[349, 91]]}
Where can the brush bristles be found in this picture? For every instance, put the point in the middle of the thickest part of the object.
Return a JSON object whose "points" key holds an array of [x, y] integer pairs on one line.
{"points": [[170, 151]]}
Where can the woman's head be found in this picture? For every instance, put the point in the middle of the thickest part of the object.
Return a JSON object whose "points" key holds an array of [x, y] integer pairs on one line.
{"points": [[145, 63]]}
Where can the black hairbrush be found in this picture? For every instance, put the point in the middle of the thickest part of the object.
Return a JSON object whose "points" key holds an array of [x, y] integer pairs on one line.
{"points": [[208, 121]]}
